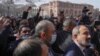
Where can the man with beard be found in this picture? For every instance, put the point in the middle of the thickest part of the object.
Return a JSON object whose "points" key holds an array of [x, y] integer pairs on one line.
{"points": [[81, 42], [23, 34], [45, 31]]}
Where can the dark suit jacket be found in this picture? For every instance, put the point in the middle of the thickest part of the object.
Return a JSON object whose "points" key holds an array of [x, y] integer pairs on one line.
{"points": [[62, 37], [73, 50], [5, 38], [95, 40]]}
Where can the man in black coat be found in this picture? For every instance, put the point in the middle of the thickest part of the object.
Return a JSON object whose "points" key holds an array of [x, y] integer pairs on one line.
{"points": [[80, 45], [63, 37], [96, 36], [5, 35]]}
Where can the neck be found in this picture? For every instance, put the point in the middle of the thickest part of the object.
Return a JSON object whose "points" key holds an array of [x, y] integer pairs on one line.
{"points": [[46, 42], [80, 46]]}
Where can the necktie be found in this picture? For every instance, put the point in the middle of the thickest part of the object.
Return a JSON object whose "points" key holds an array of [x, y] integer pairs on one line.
{"points": [[88, 52], [85, 52]]}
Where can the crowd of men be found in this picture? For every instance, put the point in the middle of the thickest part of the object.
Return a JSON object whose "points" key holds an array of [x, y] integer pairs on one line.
{"points": [[54, 36]]}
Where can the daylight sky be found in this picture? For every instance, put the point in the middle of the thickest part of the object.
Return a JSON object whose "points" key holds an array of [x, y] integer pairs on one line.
{"points": [[95, 3]]}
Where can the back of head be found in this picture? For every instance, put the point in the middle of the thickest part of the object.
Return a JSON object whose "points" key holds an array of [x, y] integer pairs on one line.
{"points": [[68, 24], [29, 47]]}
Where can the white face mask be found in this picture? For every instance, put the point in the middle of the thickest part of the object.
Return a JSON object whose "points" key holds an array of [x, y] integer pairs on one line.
{"points": [[53, 39], [25, 37]]}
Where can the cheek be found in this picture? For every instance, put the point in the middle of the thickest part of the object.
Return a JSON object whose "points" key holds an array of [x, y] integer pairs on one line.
{"points": [[49, 35], [81, 38]]}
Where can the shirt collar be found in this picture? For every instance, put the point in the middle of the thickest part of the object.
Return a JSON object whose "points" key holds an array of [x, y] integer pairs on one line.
{"points": [[81, 47]]}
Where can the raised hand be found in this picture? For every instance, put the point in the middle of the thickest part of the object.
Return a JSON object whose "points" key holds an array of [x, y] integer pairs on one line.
{"points": [[4, 22], [1, 22]]}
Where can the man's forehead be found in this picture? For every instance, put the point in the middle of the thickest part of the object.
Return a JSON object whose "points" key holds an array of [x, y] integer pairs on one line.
{"points": [[25, 28], [83, 29]]}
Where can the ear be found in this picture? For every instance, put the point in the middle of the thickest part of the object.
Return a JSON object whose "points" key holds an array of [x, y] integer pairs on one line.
{"points": [[42, 35], [74, 36]]}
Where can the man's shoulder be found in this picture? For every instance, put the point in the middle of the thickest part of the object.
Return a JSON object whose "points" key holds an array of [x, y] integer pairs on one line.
{"points": [[72, 46], [71, 53], [73, 50]]}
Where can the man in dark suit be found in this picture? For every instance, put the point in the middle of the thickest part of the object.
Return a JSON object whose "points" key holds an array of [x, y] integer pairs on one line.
{"points": [[5, 35], [63, 37], [81, 42], [96, 36], [45, 31]]}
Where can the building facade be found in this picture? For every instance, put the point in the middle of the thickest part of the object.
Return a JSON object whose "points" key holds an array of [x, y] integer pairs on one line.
{"points": [[96, 13], [70, 9], [16, 9], [22, 8]]}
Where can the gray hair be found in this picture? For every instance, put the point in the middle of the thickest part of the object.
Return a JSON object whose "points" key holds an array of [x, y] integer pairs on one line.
{"points": [[75, 30], [29, 47], [42, 26], [68, 22]]}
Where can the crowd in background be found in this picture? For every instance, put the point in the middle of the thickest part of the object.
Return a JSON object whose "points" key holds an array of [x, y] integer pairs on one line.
{"points": [[54, 36]]}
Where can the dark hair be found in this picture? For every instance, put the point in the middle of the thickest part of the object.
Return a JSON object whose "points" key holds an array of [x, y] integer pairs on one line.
{"points": [[21, 26], [29, 47], [24, 22]]}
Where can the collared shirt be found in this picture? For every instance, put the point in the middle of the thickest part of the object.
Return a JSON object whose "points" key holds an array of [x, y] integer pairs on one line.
{"points": [[81, 47]]}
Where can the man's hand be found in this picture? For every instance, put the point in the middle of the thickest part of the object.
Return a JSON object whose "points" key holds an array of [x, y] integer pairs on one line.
{"points": [[4, 22], [1, 22]]}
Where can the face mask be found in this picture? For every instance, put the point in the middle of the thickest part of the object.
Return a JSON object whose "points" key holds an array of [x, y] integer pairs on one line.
{"points": [[25, 37], [53, 39]]}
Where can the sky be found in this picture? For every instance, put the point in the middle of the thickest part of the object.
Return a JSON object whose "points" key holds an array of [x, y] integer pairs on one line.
{"points": [[95, 3]]}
